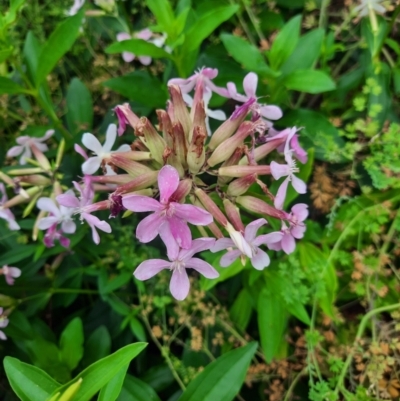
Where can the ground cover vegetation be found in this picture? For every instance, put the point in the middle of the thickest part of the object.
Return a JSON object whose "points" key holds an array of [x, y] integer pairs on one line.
{"points": [[199, 200]]}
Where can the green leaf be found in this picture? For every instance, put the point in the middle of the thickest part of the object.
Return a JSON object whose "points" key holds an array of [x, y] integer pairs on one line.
{"points": [[101, 372], [29, 382], [11, 16], [139, 47], [10, 87], [137, 390], [285, 42], [137, 329], [309, 81], [241, 309], [140, 86], [247, 55], [222, 379], [164, 15], [31, 52], [306, 53], [112, 389], [18, 253], [59, 42], [299, 311], [5, 54], [271, 313], [97, 346], [206, 25], [71, 343], [79, 107]]}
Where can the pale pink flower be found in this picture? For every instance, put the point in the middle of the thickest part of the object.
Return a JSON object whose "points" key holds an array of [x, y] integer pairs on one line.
{"points": [[281, 170], [10, 273], [206, 75], [365, 5], [180, 260], [249, 246], [250, 82], [296, 229], [53, 234], [175, 214], [3, 324], [24, 146], [84, 206], [78, 4], [6, 214], [92, 164], [144, 34], [214, 114]]}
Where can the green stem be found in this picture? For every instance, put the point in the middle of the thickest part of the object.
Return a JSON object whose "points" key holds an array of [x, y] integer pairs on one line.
{"points": [[253, 20], [294, 383], [322, 16], [360, 331]]}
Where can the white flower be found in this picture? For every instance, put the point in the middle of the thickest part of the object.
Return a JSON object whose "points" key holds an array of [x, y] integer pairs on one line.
{"points": [[78, 4], [365, 5], [6, 214], [24, 146], [91, 165]]}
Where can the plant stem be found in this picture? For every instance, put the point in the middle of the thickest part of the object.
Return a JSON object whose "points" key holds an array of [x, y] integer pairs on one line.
{"points": [[322, 16], [294, 383], [253, 20]]}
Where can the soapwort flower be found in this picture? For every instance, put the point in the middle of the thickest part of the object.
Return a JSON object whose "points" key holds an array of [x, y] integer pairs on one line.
{"points": [[179, 260], [5, 213], [3, 323], [10, 273]]}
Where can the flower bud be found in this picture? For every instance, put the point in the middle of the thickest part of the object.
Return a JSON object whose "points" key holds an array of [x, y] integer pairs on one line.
{"points": [[165, 126], [240, 242], [242, 171], [141, 182], [35, 179], [196, 153], [21, 198], [133, 168], [41, 158], [241, 185], [212, 226], [180, 110], [182, 191], [227, 148], [263, 150], [233, 160], [180, 144], [199, 117], [227, 129], [125, 116], [233, 215], [112, 179], [152, 139], [258, 206], [21, 171], [211, 206]]}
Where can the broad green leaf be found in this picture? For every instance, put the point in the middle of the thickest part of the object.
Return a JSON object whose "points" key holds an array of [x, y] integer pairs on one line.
{"points": [[137, 329], [241, 309], [112, 389], [20, 252], [97, 346], [164, 15], [285, 42], [71, 343], [137, 390], [79, 107], [139, 47], [271, 313], [224, 272], [108, 284], [246, 54], [29, 382], [140, 86], [5, 54], [299, 311], [31, 52], [306, 53], [7, 86], [206, 25], [309, 81], [11, 16], [222, 379], [59, 42], [101, 372]]}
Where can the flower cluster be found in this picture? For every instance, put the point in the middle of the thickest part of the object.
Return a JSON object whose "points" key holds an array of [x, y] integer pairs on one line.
{"points": [[193, 182]]}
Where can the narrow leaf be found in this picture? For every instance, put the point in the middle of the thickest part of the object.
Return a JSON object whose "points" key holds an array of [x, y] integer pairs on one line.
{"points": [[112, 389], [137, 390], [10, 87], [71, 343], [163, 12], [139, 47]]}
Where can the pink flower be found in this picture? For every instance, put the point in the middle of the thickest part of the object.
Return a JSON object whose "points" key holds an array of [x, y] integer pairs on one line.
{"points": [[3, 324], [6, 214], [78, 4], [205, 75], [144, 34], [10, 273], [57, 215], [84, 206], [180, 260], [288, 170], [250, 83], [214, 114], [296, 229], [177, 215], [24, 146], [92, 164], [248, 246]]}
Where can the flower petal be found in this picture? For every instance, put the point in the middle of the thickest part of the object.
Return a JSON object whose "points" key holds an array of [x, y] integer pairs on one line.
{"points": [[169, 241], [298, 231], [145, 60], [221, 244], [111, 136], [92, 143], [128, 57], [68, 226], [288, 244], [260, 260], [168, 181], [91, 165], [229, 258], [216, 114], [298, 151], [192, 214], [279, 170], [15, 151], [48, 205], [47, 222], [268, 239], [300, 211], [180, 232], [14, 272], [250, 231], [198, 245], [250, 83], [147, 229], [180, 284], [150, 268], [68, 200], [299, 185], [271, 112], [281, 194], [140, 203], [96, 222], [202, 267]]}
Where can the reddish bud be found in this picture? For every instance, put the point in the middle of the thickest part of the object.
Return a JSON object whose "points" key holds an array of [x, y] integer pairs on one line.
{"points": [[152, 139], [242, 171], [211, 206], [196, 153], [233, 215], [180, 110], [241, 185], [258, 206]]}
